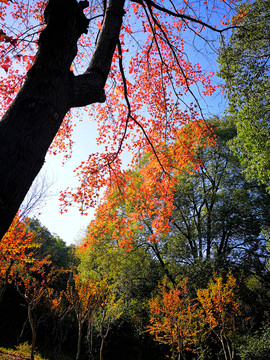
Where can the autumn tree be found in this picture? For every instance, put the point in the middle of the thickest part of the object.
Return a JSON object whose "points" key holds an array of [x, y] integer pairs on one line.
{"points": [[34, 283], [160, 74], [174, 319], [185, 324], [220, 309], [16, 248], [141, 201], [84, 298], [206, 214]]}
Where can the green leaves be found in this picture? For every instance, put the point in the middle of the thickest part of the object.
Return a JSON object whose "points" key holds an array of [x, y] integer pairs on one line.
{"points": [[245, 67]]}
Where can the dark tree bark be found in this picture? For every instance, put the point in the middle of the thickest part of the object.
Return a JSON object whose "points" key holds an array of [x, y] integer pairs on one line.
{"points": [[50, 90], [79, 342], [31, 321], [102, 334]]}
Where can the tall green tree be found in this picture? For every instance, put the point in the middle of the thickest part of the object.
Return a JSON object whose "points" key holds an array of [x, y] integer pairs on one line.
{"points": [[134, 274], [245, 67], [50, 244], [218, 214]]}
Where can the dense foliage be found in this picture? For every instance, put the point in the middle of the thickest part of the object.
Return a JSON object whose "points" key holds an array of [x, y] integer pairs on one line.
{"points": [[175, 263], [199, 290], [245, 67]]}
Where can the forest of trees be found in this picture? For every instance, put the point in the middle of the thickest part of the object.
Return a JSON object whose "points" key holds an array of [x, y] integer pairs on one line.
{"points": [[176, 262], [200, 291]]}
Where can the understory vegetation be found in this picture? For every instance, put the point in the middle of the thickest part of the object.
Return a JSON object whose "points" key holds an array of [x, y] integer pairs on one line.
{"points": [[199, 291], [176, 262]]}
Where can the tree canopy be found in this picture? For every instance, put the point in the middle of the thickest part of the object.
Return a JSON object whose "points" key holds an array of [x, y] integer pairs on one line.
{"points": [[175, 263], [245, 67], [61, 55]]}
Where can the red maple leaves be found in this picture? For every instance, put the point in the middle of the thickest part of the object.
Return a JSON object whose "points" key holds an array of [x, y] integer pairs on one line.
{"points": [[152, 104]]}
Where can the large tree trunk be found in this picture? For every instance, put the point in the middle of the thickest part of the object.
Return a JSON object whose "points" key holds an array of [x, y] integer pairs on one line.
{"points": [[50, 90]]}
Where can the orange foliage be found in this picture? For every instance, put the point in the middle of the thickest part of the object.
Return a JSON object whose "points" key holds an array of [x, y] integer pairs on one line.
{"points": [[152, 94], [83, 297], [174, 318], [146, 191], [34, 283], [34, 280], [15, 248], [219, 304], [220, 309], [185, 324]]}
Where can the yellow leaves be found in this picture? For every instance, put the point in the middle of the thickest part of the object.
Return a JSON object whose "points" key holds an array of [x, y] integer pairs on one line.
{"points": [[178, 319], [118, 90], [174, 317], [219, 303]]}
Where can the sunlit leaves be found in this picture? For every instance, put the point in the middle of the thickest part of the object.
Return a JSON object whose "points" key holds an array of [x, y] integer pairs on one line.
{"points": [[157, 81], [185, 323], [244, 65], [152, 93], [83, 296], [174, 318], [220, 309], [21, 24], [147, 191], [16, 248], [219, 304]]}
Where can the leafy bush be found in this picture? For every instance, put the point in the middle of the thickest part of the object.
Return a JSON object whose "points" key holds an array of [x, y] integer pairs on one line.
{"points": [[257, 346]]}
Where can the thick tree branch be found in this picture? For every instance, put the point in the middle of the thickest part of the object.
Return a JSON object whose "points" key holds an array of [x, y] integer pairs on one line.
{"points": [[50, 90], [151, 3], [107, 41], [88, 88]]}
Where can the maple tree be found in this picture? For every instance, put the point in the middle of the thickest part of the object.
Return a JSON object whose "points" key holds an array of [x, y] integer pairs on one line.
{"points": [[202, 212], [160, 73], [185, 324], [16, 248], [34, 283], [145, 192], [84, 297], [174, 319], [220, 309]]}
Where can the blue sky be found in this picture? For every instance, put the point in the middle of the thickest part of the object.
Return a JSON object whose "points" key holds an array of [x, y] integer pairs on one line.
{"points": [[70, 225]]}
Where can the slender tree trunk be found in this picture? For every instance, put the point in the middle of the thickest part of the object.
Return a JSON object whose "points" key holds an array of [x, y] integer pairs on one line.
{"points": [[50, 90], [90, 338], [101, 348], [34, 334], [79, 340], [31, 321], [229, 349], [223, 347], [102, 335]]}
